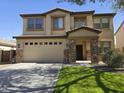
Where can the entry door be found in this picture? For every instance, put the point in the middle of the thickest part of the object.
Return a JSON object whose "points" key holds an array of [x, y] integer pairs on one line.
{"points": [[79, 52]]}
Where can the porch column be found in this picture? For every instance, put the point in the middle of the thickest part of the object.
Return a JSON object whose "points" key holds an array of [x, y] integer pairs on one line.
{"points": [[88, 50], [19, 51], [94, 50], [19, 55], [70, 52]]}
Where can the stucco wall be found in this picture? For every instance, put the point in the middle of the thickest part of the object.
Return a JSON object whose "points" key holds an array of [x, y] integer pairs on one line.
{"points": [[48, 24], [107, 34], [120, 38], [68, 23], [83, 33]]}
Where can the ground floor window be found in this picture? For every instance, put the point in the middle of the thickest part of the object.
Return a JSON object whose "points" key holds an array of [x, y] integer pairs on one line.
{"points": [[104, 46]]}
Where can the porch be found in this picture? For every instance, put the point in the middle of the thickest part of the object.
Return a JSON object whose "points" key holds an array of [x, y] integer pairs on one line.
{"points": [[82, 45]]}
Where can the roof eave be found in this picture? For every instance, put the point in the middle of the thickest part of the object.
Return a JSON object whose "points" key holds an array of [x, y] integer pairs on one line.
{"points": [[29, 15], [105, 14], [17, 37], [95, 30], [83, 12]]}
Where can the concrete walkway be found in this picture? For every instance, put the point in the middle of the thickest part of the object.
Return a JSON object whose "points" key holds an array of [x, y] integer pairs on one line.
{"points": [[28, 78]]}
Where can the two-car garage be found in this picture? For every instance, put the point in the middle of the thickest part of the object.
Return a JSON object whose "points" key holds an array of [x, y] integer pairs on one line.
{"points": [[43, 50]]}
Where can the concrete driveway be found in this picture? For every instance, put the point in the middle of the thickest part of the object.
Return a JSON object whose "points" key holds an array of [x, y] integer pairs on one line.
{"points": [[28, 78]]}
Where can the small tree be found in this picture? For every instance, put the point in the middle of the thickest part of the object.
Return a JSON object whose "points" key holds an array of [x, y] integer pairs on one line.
{"points": [[118, 61], [116, 4], [113, 59]]}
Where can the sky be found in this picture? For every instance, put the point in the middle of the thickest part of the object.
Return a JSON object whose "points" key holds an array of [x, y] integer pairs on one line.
{"points": [[11, 23]]}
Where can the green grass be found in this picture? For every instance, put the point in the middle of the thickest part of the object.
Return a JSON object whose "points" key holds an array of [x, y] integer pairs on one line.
{"points": [[86, 80]]}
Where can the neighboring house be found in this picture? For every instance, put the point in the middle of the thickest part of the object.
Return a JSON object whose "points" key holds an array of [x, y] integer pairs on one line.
{"points": [[119, 38], [64, 36], [7, 49]]}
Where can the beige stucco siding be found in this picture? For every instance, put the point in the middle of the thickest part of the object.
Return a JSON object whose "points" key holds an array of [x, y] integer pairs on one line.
{"points": [[120, 38], [82, 33], [43, 53], [107, 34], [90, 21], [48, 24], [66, 22]]}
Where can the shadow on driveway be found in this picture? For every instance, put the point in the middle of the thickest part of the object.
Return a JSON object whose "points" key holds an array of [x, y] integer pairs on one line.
{"points": [[38, 78]]}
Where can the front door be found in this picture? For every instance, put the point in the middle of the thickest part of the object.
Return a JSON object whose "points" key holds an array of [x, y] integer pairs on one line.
{"points": [[79, 52]]}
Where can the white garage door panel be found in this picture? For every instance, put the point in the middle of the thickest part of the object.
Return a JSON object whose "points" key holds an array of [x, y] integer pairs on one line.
{"points": [[44, 53]]}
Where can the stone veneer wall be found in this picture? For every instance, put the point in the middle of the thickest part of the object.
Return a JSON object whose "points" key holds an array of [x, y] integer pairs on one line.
{"points": [[66, 56], [94, 50], [19, 55], [70, 52]]}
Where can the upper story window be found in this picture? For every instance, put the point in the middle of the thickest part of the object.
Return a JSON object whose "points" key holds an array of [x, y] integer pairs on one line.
{"points": [[35, 24], [101, 23], [78, 22], [97, 23], [105, 23], [58, 23]]}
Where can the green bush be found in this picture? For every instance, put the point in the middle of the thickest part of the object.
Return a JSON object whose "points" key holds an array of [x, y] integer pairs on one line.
{"points": [[118, 61], [113, 59], [107, 57]]}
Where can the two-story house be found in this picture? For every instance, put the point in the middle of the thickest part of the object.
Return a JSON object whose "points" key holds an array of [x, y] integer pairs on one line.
{"points": [[64, 36]]}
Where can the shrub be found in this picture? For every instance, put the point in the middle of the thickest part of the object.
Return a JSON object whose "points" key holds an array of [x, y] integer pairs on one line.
{"points": [[107, 57], [118, 61], [113, 59]]}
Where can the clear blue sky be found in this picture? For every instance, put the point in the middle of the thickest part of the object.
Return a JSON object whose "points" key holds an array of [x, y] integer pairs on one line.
{"points": [[11, 22]]}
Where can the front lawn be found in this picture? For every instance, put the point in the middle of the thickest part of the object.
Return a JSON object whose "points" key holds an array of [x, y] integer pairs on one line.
{"points": [[86, 80]]}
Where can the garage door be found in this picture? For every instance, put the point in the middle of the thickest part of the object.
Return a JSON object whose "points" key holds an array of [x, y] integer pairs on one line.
{"points": [[44, 51]]}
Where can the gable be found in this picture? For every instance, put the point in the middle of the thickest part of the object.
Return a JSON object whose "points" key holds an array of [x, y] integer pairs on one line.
{"points": [[58, 12], [82, 33]]}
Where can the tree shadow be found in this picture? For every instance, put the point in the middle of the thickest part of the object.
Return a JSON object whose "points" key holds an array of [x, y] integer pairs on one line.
{"points": [[102, 85], [13, 81], [28, 80], [64, 88]]}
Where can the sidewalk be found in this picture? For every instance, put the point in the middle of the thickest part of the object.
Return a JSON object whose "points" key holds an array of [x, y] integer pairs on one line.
{"points": [[5, 65]]}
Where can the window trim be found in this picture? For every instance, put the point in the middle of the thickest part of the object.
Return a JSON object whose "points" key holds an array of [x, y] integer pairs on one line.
{"points": [[108, 23], [99, 23], [101, 27], [52, 24], [27, 29], [102, 46]]}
